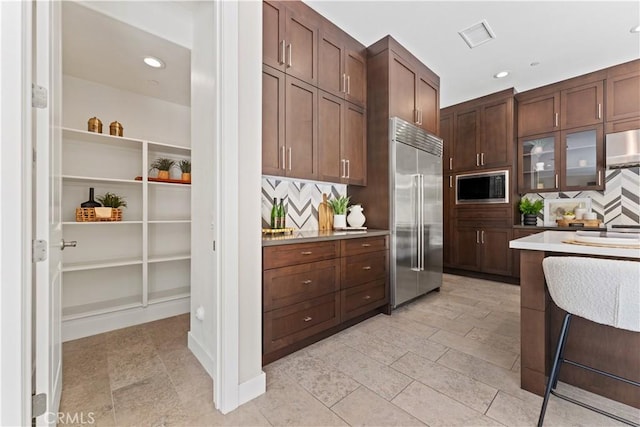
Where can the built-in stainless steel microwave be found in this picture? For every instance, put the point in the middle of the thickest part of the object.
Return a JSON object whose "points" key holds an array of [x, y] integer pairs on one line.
{"points": [[483, 187]]}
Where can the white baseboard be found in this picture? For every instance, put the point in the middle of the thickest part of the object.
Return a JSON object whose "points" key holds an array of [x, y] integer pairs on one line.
{"points": [[253, 388], [201, 354], [92, 325]]}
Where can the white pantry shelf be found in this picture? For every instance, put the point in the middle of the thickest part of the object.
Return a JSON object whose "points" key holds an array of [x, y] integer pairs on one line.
{"points": [[96, 265], [170, 221], [168, 258], [96, 179], [168, 295], [103, 223], [101, 307]]}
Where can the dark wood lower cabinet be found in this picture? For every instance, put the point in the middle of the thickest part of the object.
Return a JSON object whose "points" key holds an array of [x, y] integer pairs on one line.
{"points": [[485, 250], [310, 290]]}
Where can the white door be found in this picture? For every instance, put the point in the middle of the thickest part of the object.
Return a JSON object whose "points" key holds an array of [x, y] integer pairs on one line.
{"points": [[47, 72]]}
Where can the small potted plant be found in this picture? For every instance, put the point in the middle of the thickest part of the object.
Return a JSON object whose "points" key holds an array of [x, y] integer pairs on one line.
{"points": [[339, 206], [530, 208], [163, 166], [112, 204], [185, 168]]}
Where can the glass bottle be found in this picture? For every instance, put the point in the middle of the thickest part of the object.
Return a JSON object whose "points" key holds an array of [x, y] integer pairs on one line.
{"points": [[91, 203], [283, 215], [274, 214]]}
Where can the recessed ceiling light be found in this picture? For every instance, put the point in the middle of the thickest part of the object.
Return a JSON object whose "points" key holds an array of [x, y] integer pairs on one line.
{"points": [[635, 29], [153, 62], [501, 74]]}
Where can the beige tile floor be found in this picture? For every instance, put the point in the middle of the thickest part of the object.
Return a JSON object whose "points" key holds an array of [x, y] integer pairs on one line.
{"points": [[448, 359]]}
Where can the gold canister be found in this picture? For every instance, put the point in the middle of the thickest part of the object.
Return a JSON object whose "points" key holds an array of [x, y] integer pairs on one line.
{"points": [[116, 129], [95, 125]]}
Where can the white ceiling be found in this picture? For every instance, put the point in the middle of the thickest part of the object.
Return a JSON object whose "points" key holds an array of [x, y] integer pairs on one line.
{"points": [[108, 51], [567, 38]]}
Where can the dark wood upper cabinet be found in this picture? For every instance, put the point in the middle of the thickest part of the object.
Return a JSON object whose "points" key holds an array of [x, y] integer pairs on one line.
{"points": [[582, 105], [342, 68], [539, 114], [623, 101], [273, 34], [428, 104], [402, 88], [496, 144], [273, 112], [467, 130], [446, 133], [341, 140], [301, 124]]}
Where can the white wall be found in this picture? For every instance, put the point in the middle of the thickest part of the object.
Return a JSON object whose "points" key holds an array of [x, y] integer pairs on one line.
{"points": [[141, 116]]}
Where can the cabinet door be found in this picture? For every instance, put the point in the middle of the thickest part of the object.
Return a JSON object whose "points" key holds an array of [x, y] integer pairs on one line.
{"points": [[331, 74], [402, 89], [496, 144], [356, 77], [330, 135], [467, 133], [538, 163], [301, 129], [465, 248], [428, 105], [623, 100], [496, 255], [582, 105], [583, 159], [539, 115], [446, 133], [354, 144], [302, 48], [448, 204], [273, 37], [273, 111]]}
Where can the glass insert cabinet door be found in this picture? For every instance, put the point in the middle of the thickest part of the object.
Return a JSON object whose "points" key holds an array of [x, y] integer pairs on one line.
{"points": [[582, 158], [538, 157]]}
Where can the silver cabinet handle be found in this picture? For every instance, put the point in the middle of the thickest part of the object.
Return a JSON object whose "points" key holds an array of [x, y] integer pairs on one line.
{"points": [[450, 181], [482, 159], [348, 85], [477, 237], [366, 267], [281, 53], [290, 49], [421, 117], [308, 319], [306, 253], [556, 180], [415, 116], [599, 111], [450, 163], [599, 177], [366, 245], [344, 168], [348, 169], [306, 282], [555, 120], [284, 162], [366, 297], [69, 244], [289, 158], [477, 159], [482, 237], [344, 83]]}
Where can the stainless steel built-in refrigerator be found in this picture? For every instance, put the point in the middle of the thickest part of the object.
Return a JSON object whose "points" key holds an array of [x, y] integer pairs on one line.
{"points": [[416, 211]]}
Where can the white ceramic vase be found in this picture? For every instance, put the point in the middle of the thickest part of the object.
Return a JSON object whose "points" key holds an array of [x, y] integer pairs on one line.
{"points": [[356, 218], [339, 221]]}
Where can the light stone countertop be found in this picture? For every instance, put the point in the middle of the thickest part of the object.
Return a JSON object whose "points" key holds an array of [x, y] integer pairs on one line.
{"points": [[553, 241], [305, 236]]}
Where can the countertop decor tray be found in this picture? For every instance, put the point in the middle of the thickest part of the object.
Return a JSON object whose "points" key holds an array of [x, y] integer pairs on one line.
{"points": [[286, 230]]}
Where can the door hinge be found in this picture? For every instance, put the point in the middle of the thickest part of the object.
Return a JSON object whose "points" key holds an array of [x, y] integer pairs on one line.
{"points": [[38, 404], [39, 96], [39, 250]]}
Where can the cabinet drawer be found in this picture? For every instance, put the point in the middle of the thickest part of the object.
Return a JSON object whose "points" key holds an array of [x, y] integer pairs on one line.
{"points": [[360, 299], [288, 325], [358, 269], [286, 255], [289, 285], [364, 245]]}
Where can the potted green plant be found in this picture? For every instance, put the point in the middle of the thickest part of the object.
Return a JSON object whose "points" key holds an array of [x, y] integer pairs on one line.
{"points": [[530, 208], [112, 204], [163, 166], [339, 206], [185, 168]]}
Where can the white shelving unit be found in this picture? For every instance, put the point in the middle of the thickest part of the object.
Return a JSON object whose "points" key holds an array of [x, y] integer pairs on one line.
{"points": [[130, 271]]}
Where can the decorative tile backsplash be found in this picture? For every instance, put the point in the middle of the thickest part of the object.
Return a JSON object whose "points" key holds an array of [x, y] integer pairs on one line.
{"points": [[619, 204], [301, 200]]}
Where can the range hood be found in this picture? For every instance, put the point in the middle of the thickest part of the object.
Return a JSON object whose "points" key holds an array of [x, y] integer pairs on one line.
{"points": [[623, 149]]}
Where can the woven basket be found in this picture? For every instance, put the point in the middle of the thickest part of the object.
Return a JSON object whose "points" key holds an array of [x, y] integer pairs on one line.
{"points": [[89, 215]]}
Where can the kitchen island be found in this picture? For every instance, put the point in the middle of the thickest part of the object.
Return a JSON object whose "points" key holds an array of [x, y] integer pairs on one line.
{"points": [[603, 347]]}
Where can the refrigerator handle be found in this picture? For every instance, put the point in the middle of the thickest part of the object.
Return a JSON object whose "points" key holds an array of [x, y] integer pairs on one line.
{"points": [[421, 222], [416, 182]]}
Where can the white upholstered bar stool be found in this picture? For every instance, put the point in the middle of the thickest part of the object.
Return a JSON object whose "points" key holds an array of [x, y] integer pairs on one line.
{"points": [[601, 290]]}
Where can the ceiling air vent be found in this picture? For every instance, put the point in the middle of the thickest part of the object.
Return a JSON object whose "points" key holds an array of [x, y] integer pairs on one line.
{"points": [[477, 34]]}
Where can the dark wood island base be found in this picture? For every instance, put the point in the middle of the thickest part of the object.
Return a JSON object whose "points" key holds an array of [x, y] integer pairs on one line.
{"points": [[602, 347]]}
